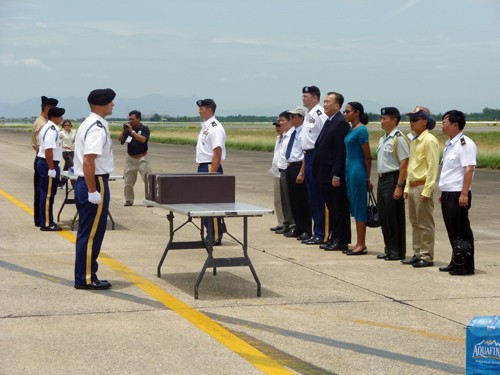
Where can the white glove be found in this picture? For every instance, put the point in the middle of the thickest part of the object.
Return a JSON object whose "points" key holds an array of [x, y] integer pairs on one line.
{"points": [[52, 173], [95, 197]]}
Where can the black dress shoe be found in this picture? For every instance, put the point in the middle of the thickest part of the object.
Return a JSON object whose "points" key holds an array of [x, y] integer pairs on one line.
{"points": [[99, 284], [53, 228], [314, 241], [282, 230], [388, 257], [291, 234], [324, 246], [381, 256], [447, 268], [277, 227], [422, 263], [336, 247], [214, 243], [461, 272], [304, 237], [359, 252], [412, 260]]}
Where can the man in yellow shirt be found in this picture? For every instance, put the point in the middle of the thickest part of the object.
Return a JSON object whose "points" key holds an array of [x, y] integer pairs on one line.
{"points": [[422, 176]]}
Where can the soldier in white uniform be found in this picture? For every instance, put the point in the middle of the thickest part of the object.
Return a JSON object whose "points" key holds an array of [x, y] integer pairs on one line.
{"points": [[40, 121], [93, 164], [457, 174], [49, 156], [313, 123], [393, 153], [210, 152]]}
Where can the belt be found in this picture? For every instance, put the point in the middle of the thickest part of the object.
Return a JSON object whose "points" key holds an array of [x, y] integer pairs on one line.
{"points": [[281, 170], [380, 175], [202, 164], [417, 183], [106, 175], [310, 150], [295, 164], [138, 156]]}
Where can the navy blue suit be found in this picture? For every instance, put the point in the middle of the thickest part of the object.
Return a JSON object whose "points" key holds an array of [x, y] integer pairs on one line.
{"points": [[329, 162]]}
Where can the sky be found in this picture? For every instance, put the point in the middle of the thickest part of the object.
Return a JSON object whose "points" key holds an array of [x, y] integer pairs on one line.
{"points": [[250, 56]]}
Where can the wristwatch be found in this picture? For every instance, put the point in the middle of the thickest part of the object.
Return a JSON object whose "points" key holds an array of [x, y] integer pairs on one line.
{"points": [[401, 184]]}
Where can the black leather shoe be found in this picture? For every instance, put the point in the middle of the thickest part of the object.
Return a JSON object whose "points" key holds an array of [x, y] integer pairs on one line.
{"points": [[412, 260], [291, 234], [53, 228], [336, 247], [324, 246], [128, 204], [388, 257], [359, 252], [422, 263], [381, 256], [448, 268], [277, 227], [303, 237], [214, 243], [314, 241], [282, 230], [99, 284], [461, 272]]}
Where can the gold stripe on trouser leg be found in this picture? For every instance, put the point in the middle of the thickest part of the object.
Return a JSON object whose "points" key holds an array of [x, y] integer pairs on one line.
{"points": [[216, 229], [95, 224], [47, 202], [210, 167], [327, 224]]}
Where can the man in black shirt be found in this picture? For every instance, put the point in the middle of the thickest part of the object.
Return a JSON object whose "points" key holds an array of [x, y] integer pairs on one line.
{"points": [[136, 135]]}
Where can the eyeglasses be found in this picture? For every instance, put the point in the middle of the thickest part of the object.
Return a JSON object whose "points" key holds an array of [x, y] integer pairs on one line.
{"points": [[415, 119], [347, 111]]}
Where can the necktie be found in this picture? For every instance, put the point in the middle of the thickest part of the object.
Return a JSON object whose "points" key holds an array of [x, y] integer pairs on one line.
{"points": [[290, 145]]}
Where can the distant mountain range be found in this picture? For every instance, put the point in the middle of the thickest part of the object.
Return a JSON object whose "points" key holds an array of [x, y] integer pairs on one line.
{"points": [[172, 106]]}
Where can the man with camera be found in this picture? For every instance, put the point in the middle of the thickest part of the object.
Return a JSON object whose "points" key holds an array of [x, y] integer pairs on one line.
{"points": [[136, 135]]}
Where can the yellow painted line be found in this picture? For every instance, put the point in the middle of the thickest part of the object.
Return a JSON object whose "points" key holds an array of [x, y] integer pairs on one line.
{"points": [[200, 320], [415, 331]]}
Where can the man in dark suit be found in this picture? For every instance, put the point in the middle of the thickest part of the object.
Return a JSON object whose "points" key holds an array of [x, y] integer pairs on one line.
{"points": [[329, 169]]}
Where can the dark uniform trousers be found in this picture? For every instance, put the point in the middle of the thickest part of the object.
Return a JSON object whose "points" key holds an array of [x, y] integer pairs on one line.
{"points": [[217, 222], [392, 216], [298, 200], [316, 199], [338, 210], [47, 190], [36, 189], [91, 229], [456, 220]]}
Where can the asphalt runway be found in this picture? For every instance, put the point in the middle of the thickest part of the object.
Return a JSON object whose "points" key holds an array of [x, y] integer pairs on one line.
{"points": [[320, 312]]}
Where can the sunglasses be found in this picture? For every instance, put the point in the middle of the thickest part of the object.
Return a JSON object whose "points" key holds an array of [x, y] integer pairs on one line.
{"points": [[415, 119]]}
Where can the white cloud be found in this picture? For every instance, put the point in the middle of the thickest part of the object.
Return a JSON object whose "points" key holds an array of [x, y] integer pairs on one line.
{"points": [[30, 63]]}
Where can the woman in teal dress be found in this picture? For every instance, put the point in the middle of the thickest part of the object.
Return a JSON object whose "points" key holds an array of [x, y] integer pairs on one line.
{"points": [[357, 172]]}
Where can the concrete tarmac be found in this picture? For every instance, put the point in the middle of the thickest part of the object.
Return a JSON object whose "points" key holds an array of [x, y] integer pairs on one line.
{"points": [[320, 312]]}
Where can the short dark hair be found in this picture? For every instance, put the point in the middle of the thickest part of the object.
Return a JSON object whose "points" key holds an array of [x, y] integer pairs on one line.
{"points": [[136, 114], [455, 116], [285, 114], [338, 97]]}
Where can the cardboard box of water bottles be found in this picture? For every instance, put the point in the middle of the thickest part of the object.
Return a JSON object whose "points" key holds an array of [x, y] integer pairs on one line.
{"points": [[483, 346]]}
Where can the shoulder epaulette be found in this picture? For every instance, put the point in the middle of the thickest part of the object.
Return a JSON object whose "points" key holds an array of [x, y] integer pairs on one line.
{"points": [[52, 127], [462, 141], [398, 134], [214, 123], [98, 123], [318, 112]]}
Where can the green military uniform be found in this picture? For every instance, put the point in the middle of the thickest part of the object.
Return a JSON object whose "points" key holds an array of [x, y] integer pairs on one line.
{"points": [[392, 148]]}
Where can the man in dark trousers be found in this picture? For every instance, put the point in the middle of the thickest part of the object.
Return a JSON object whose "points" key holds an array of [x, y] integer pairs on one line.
{"points": [[329, 169], [40, 121]]}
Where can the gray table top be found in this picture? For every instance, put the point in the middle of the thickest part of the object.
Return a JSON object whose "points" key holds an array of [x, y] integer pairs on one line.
{"points": [[73, 177], [214, 209]]}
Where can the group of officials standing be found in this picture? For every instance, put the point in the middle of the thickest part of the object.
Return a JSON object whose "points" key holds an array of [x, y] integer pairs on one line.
{"points": [[322, 165]]}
